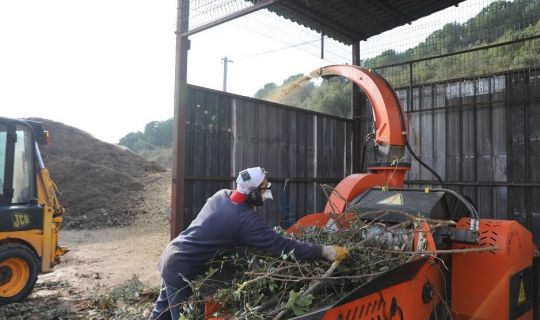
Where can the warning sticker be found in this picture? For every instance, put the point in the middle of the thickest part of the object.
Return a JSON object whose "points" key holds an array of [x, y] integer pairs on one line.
{"points": [[522, 297], [395, 200]]}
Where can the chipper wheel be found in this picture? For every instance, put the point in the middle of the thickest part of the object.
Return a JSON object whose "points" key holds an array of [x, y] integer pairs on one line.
{"points": [[18, 272]]}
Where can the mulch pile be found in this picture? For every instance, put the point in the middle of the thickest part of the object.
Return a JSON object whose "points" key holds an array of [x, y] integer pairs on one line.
{"points": [[101, 184]]}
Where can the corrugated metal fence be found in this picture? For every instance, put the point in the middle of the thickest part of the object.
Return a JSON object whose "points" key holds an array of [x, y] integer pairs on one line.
{"points": [[226, 133], [482, 136]]}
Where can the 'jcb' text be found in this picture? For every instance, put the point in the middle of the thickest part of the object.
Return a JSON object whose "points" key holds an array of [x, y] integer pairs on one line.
{"points": [[20, 220]]}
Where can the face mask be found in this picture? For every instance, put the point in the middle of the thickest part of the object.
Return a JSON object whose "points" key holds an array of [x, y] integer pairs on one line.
{"points": [[267, 195], [258, 198]]}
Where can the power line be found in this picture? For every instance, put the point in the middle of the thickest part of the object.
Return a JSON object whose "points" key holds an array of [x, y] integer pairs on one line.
{"points": [[275, 50], [303, 30]]}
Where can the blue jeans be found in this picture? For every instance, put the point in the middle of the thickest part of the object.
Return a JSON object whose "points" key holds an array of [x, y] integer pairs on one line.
{"points": [[171, 296]]}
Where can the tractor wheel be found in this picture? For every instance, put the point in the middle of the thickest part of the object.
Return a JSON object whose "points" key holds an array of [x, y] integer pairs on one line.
{"points": [[18, 272]]}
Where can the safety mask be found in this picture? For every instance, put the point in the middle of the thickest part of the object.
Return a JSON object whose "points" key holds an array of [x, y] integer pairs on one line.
{"points": [[267, 195]]}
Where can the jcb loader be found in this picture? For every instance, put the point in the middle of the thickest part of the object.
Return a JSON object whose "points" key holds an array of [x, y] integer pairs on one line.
{"points": [[30, 213]]}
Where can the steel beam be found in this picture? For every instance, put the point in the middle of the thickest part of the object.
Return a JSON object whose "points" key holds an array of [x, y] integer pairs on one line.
{"points": [[235, 15], [180, 106], [357, 140]]}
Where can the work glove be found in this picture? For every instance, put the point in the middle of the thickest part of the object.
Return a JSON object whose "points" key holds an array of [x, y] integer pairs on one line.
{"points": [[335, 253]]}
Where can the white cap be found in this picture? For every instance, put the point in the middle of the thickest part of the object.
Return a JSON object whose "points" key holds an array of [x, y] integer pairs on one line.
{"points": [[249, 179]]}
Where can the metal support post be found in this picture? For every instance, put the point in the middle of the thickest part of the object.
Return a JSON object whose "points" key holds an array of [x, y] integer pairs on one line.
{"points": [[357, 139], [180, 106], [225, 62]]}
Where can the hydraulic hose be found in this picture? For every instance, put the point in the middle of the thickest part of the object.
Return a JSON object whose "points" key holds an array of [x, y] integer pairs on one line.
{"points": [[369, 136]]}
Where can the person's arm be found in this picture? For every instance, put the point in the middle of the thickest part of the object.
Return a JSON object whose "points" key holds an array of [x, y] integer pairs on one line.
{"points": [[256, 233]]}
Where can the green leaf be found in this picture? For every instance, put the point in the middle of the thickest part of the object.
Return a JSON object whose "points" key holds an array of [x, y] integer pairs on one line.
{"points": [[298, 303]]}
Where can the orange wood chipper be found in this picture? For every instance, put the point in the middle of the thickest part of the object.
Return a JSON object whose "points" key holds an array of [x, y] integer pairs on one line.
{"points": [[451, 273]]}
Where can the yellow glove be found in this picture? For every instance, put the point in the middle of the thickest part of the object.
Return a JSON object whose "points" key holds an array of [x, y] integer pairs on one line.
{"points": [[335, 253]]}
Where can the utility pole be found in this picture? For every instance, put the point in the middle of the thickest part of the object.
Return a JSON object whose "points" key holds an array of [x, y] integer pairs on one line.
{"points": [[225, 61]]}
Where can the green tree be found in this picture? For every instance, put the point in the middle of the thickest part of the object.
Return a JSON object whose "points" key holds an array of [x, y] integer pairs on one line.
{"points": [[266, 91], [159, 133], [131, 139], [333, 96]]}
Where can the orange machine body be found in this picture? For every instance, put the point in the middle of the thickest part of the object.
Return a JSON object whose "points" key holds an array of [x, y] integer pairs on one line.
{"points": [[398, 294], [414, 290], [495, 284]]}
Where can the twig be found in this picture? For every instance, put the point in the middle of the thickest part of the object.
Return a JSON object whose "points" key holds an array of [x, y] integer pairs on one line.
{"points": [[312, 287], [266, 275], [467, 250], [284, 277]]}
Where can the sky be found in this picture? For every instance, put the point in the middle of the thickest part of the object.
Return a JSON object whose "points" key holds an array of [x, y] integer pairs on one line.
{"points": [[107, 66]]}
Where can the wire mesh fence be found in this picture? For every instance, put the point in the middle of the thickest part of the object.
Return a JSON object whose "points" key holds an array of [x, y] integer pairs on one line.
{"points": [[201, 12], [482, 37], [473, 23], [290, 35], [514, 55]]}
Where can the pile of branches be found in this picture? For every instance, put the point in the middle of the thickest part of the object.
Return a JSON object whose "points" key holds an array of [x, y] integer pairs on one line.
{"points": [[251, 284]]}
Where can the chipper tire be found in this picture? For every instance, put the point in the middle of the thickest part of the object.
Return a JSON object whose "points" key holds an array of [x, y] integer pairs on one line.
{"points": [[18, 272]]}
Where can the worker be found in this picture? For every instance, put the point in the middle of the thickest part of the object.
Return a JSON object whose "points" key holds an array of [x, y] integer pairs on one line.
{"points": [[227, 220]]}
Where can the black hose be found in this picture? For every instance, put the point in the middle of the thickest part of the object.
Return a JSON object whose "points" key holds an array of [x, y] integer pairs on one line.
{"points": [[422, 162], [405, 135], [466, 202], [369, 136]]}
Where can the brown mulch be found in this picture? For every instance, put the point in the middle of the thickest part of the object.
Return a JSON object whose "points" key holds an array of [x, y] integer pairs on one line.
{"points": [[101, 184]]}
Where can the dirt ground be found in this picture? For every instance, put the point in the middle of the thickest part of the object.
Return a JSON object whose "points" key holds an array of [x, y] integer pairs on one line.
{"points": [[105, 267]]}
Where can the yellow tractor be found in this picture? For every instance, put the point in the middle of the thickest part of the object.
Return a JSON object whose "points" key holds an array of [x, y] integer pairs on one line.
{"points": [[30, 213]]}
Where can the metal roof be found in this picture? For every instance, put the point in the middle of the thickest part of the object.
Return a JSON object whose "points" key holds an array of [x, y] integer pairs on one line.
{"points": [[353, 20]]}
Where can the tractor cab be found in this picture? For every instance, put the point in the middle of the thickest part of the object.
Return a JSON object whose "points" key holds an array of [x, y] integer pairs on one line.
{"points": [[30, 214]]}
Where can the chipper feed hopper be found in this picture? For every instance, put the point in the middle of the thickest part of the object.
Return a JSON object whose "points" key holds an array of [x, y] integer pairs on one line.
{"points": [[471, 269]]}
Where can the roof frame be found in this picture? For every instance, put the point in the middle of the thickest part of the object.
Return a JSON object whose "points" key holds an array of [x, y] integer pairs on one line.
{"points": [[307, 13]]}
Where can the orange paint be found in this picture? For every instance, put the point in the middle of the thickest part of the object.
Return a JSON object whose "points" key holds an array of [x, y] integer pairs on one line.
{"points": [[381, 96], [481, 281]]}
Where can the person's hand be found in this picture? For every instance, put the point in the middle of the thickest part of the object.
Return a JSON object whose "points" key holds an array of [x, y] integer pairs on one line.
{"points": [[335, 253]]}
